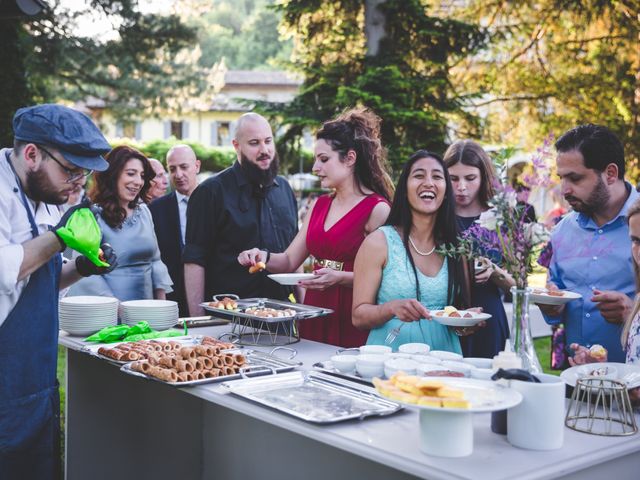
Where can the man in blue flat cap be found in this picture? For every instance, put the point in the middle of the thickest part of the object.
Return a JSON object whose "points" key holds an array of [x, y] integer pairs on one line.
{"points": [[54, 148]]}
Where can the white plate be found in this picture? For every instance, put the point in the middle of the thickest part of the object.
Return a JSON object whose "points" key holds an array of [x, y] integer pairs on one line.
{"points": [[87, 300], [290, 278], [149, 303], [460, 321], [630, 374], [484, 396], [545, 299]]}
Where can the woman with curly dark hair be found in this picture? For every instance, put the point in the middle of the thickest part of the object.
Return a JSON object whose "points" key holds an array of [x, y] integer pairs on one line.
{"points": [[350, 160], [127, 226]]}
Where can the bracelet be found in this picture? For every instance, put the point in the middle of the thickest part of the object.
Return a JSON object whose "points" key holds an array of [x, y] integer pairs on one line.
{"points": [[266, 260]]}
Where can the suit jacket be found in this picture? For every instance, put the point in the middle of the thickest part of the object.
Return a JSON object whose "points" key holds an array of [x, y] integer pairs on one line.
{"points": [[166, 221]]}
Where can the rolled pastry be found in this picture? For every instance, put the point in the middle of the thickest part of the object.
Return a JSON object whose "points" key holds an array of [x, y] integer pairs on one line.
{"points": [[228, 371], [183, 366], [239, 359], [188, 352], [217, 362], [199, 374], [211, 373], [136, 366], [167, 362], [145, 367], [227, 360], [184, 376], [206, 362], [130, 356]]}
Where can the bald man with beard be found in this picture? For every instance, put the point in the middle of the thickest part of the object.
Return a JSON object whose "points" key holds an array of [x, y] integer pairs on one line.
{"points": [[170, 217], [244, 206]]}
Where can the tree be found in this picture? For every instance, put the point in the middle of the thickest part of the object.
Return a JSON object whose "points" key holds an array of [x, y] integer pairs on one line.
{"points": [[405, 80], [146, 65], [554, 64], [244, 33]]}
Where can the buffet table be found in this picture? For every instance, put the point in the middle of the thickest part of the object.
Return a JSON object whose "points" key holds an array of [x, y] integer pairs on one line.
{"points": [[120, 426]]}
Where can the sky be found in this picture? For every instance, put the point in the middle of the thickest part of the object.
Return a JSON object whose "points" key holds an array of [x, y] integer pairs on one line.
{"points": [[96, 25]]}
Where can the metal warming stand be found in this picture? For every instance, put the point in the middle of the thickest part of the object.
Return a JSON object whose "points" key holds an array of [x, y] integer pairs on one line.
{"points": [[601, 406], [253, 330]]}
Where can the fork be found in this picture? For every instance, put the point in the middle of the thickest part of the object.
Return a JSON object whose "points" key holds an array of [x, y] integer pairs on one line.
{"points": [[393, 334]]}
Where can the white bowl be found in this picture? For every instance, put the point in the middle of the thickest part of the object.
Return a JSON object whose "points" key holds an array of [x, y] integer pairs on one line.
{"points": [[398, 355], [428, 359], [375, 349], [344, 363], [414, 348], [443, 355], [478, 362], [461, 367], [482, 373], [370, 365], [395, 365]]}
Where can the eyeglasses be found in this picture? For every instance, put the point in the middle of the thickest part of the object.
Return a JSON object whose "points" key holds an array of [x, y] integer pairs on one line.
{"points": [[73, 175]]}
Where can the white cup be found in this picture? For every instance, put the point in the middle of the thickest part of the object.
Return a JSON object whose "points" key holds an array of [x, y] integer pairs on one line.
{"points": [[344, 363], [370, 365], [375, 349], [414, 348], [538, 422]]}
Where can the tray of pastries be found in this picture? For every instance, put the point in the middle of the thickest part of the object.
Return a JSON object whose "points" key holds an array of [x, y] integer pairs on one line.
{"points": [[208, 361], [265, 309]]}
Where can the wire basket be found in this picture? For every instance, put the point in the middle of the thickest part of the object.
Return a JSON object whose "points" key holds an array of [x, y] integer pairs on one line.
{"points": [[601, 406]]}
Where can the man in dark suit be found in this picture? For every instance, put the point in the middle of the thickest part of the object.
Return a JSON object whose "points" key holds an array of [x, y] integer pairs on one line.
{"points": [[170, 217]]}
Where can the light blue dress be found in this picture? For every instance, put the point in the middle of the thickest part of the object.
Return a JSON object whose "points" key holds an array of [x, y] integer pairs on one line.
{"points": [[398, 282], [140, 270]]}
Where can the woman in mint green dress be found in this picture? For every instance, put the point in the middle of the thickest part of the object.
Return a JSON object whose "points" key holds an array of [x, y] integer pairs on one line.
{"points": [[399, 278]]}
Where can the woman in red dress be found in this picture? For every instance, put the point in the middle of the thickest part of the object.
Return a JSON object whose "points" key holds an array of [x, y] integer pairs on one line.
{"points": [[350, 160]]}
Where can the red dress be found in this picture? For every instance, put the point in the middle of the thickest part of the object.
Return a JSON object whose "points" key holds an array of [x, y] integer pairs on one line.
{"points": [[340, 243]]}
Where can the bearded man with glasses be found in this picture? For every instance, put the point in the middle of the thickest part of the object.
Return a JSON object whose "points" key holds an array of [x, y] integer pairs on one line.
{"points": [[55, 147]]}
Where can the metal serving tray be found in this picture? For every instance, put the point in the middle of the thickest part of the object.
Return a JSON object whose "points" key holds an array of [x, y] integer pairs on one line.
{"points": [[253, 330], [258, 363], [187, 341], [314, 397], [302, 311]]}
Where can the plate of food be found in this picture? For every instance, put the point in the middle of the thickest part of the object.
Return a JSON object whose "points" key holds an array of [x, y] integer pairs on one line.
{"points": [[553, 297], [290, 278], [447, 393], [623, 372], [453, 317]]}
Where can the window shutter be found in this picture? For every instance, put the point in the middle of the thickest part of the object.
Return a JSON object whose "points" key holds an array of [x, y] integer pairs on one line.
{"points": [[214, 134]]}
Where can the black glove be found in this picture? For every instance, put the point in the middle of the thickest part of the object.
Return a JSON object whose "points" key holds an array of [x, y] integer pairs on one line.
{"points": [[86, 267], [65, 218]]}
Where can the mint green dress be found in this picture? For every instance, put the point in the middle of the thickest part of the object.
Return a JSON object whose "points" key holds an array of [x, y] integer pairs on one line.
{"points": [[398, 282]]}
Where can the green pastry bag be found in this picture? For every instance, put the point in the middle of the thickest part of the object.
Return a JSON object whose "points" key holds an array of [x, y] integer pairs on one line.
{"points": [[82, 234]]}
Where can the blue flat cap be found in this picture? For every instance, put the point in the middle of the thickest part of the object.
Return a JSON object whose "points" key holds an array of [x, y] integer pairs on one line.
{"points": [[73, 133]]}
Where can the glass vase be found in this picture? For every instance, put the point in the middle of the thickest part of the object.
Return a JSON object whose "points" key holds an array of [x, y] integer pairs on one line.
{"points": [[521, 339]]}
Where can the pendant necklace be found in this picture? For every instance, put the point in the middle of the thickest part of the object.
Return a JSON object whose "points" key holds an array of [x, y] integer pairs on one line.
{"points": [[423, 254]]}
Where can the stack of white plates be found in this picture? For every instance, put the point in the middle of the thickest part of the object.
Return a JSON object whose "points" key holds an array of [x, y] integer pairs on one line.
{"points": [[85, 315], [160, 314]]}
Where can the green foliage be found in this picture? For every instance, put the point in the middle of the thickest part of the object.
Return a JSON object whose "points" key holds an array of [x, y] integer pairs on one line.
{"points": [[214, 159], [12, 79], [145, 66], [406, 83], [554, 64], [244, 33]]}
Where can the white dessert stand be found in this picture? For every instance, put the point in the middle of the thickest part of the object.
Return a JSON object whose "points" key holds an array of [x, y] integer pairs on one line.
{"points": [[448, 432]]}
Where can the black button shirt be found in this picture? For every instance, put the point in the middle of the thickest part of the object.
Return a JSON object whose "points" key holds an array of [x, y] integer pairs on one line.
{"points": [[224, 218]]}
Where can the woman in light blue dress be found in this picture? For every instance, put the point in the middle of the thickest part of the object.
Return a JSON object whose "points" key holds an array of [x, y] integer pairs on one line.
{"points": [[399, 278], [127, 226]]}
